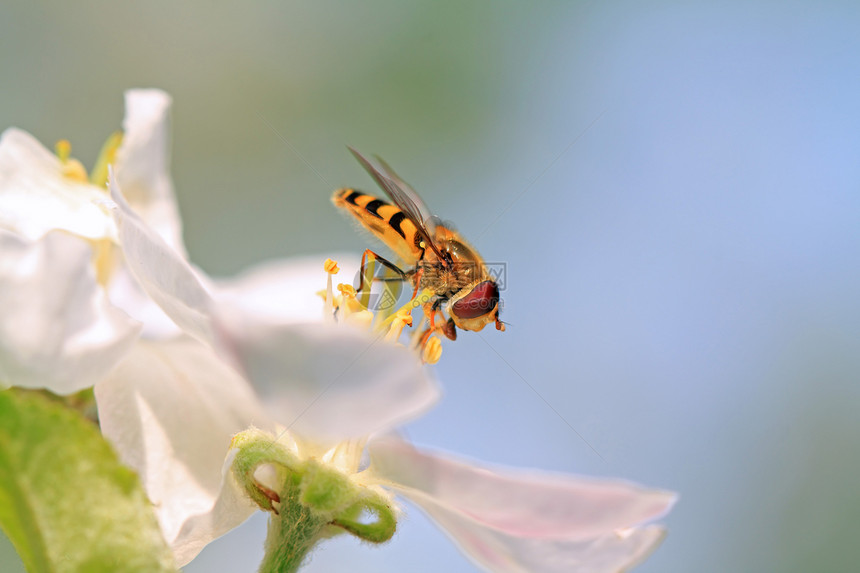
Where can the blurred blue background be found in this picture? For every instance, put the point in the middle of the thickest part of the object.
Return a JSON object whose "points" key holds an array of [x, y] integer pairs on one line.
{"points": [[674, 187]]}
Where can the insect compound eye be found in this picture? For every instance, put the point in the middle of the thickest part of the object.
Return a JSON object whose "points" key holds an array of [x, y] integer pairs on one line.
{"points": [[482, 299]]}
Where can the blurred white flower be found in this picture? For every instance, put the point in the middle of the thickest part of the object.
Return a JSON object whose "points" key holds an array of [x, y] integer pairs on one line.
{"points": [[330, 390], [172, 407], [58, 330], [244, 354], [61, 275], [39, 192], [61, 268]]}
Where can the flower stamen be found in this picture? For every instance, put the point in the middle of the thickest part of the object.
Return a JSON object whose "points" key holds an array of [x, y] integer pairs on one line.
{"points": [[331, 268], [432, 350], [402, 317], [72, 168], [349, 306], [107, 156]]}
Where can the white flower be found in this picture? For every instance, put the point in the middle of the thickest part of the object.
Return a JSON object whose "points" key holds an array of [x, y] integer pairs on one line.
{"points": [[271, 348], [61, 276], [327, 382], [329, 390], [60, 270], [246, 354], [38, 193], [58, 329]]}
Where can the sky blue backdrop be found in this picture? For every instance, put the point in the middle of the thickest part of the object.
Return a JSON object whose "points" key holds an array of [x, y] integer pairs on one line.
{"points": [[672, 185]]}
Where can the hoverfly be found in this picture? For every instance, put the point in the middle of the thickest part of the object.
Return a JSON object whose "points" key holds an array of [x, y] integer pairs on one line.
{"points": [[442, 261]]}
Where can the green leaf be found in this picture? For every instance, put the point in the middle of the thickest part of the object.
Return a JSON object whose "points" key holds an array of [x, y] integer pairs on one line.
{"points": [[66, 502]]}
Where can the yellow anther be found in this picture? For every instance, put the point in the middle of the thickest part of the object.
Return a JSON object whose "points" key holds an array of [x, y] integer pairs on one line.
{"points": [[347, 307], [346, 290], [401, 318], [349, 304], [432, 350], [72, 168], [63, 149], [331, 267], [405, 316]]}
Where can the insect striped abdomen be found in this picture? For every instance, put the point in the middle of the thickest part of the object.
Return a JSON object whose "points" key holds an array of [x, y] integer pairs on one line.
{"points": [[387, 222]]}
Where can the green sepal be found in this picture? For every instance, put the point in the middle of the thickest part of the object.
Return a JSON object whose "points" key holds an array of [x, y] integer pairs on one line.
{"points": [[378, 531], [309, 500], [66, 502], [255, 448], [326, 490]]}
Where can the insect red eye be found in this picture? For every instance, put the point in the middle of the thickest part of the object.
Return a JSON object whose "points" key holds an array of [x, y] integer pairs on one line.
{"points": [[481, 300]]}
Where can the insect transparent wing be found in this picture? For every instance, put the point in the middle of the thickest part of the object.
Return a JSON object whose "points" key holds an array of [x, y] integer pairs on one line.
{"points": [[430, 221], [403, 196]]}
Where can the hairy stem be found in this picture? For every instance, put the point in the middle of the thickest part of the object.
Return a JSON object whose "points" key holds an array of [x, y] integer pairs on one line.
{"points": [[292, 534]]}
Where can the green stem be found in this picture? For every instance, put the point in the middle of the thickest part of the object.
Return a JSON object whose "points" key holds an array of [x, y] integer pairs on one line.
{"points": [[292, 534]]}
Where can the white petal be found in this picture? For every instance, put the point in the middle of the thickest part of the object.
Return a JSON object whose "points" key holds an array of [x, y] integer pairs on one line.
{"points": [[125, 293], [325, 381], [515, 501], [58, 330], [35, 196], [231, 509], [143, 163], [498, 552], [162, 272], [284, 289], [170, 409], [505, 515]]}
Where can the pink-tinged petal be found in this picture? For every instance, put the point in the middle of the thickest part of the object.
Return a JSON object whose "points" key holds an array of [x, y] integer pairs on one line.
{"points": [[171, 409], [143, 163], [35, 196], [326, 381], [58, 329], [516, 502], [285, 290], [498, 552], [163, 273], [231, 509]]}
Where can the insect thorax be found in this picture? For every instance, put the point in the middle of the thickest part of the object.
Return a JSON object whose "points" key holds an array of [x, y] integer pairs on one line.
{"points": [[464, 269]]}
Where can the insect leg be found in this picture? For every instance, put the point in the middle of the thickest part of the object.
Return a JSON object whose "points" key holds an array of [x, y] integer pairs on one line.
{"points": [[402, 276], [430, 313], [366, 279], [416, 280], [447, 327]]}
